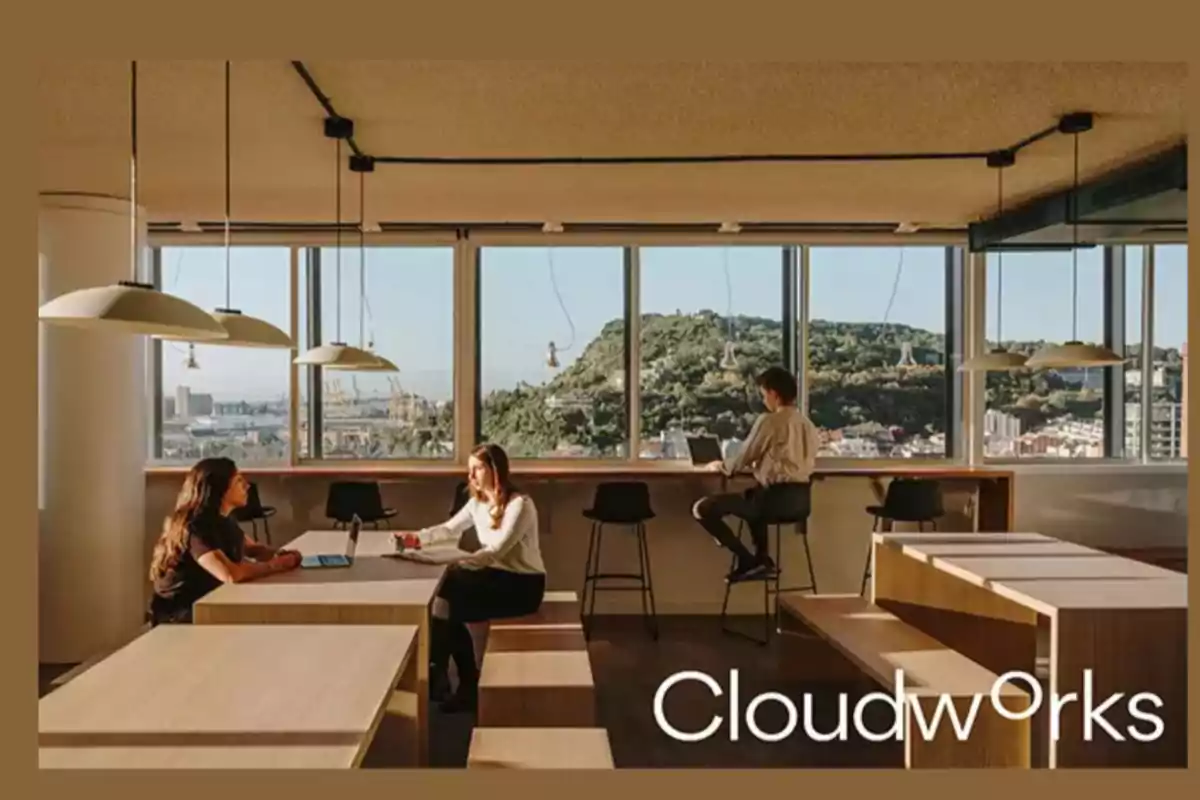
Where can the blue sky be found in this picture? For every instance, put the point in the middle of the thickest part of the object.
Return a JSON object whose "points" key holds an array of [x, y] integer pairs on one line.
{"points": [[410, 293]]}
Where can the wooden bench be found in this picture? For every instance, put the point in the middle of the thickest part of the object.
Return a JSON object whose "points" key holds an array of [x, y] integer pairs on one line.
{"points": [[537, 689], [560, 611], [540, 748], [847, 637]]}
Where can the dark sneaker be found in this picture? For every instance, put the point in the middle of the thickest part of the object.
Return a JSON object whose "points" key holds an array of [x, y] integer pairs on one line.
{"points": [[757, 568], [439, 685], [461, 702]]}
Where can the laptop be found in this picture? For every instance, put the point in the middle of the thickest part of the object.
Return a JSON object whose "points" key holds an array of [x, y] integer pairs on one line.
{"points": [[704, 450], [332, 560]]}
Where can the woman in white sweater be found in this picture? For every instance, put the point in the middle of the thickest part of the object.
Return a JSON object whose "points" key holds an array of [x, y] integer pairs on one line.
{"points": [[504, 578]]}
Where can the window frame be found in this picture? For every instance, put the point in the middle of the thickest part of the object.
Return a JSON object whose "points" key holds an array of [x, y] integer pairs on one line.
{"points": [[966, 318]]}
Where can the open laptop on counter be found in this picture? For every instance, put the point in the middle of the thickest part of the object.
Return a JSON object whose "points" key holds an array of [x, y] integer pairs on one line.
{"points": [[345, 559]]}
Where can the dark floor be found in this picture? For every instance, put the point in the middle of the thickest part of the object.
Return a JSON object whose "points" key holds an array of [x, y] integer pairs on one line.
{"points": [[629, 667]]}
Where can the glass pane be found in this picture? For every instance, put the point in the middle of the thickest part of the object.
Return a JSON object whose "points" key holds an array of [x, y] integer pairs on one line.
{"points": [[711, 322], [571, 406], [403, 310], [1046, 413], [1168, 431], [877, 351], [227, 401]]}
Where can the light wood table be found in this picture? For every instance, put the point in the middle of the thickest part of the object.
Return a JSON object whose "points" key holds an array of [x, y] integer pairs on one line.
{"points": [[374, 590], [227, 697], [1008, 602]]}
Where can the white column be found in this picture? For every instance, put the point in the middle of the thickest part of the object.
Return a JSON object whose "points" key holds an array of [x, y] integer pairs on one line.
{"points": [[93, 410]]}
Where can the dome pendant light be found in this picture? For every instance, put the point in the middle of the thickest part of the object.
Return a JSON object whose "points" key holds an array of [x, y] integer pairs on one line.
{"points": [[244, 331], [1074, 353], [338, 355], [381, 364], [131, 307], [998, 359]]}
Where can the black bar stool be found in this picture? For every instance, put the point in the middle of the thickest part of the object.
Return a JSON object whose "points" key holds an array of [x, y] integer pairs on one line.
{"points": [[624, 504], [907, 500], [783, 504], [348, 498], [254, 511]]}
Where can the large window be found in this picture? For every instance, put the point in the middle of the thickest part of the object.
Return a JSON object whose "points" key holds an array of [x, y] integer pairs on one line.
{"points": [[572, 339], [711, 320], [225, 401], [539, 400], [1056, 413], [877, 375], [1168, 396], [402, 308]]}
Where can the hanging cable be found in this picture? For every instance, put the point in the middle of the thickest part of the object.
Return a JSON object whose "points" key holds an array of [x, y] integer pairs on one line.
{"points": [[999, 264], [561, 303], [338, 182], [887, 312], [228, 291], [1075, 247], [728, 292]]}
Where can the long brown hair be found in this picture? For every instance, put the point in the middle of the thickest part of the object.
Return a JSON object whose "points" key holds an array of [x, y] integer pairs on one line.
{"points": [[496, 460], [200, 499]]}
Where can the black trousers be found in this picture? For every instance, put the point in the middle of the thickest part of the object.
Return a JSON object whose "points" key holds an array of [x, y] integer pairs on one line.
{"points": [[755, 506], [475, 595]]}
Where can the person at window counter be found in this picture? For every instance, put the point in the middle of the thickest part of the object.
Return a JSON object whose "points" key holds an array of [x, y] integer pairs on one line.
{"points": [[202, 546], [505, 577], [781, 449]]}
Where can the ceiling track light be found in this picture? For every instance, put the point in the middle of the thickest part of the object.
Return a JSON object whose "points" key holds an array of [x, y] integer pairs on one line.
{"points": [[131, 307]]}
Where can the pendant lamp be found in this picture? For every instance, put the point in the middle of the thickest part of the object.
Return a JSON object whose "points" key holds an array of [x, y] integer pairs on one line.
{"points": [[131, 307], [998, 359], [381, 364], [1074, 353], [338, 354], [244, 330]]}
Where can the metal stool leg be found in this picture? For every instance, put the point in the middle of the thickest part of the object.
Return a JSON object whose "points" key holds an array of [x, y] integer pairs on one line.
{"points": [[647, 580], [266, 530], [766, 581], [587, 580], [812, 572]]}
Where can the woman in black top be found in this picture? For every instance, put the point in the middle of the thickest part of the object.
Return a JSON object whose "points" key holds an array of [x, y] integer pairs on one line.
{"points": [[202, 546]]}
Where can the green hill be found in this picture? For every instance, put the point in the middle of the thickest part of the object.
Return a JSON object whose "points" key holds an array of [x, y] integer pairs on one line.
{"points": [[854, 383]]}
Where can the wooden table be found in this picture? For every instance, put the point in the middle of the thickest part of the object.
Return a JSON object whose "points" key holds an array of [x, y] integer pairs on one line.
{"points": [[1003, 600], [227, 697], [373, 591]]}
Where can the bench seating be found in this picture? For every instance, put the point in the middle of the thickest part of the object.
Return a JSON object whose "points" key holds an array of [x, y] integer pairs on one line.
{"points": [[537, 688], [558, 610], [540, 748], [847, 637]]}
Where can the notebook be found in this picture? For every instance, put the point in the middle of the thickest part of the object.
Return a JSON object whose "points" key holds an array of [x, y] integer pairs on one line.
{"points": [[334, 560]]}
